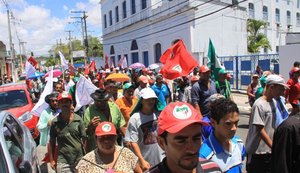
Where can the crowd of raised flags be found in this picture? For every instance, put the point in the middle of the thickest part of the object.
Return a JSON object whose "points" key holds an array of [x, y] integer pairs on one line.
{"points": [[177, 80]]}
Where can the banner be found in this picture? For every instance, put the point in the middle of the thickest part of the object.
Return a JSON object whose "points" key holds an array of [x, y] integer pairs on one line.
{"points": [[30, 70], [84, 88], [64, 62], [41, 105]]}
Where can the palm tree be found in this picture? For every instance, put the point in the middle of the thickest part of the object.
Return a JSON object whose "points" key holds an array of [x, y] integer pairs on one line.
{"points": [[256, 39]]}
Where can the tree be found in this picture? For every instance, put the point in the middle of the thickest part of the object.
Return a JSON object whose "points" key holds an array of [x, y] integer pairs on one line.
{"points": [[95, 50], [256, 39]]}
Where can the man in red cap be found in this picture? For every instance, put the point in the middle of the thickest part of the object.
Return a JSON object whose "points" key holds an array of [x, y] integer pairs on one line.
{"points": [[179, 135], [68, 131], [202, 90]]}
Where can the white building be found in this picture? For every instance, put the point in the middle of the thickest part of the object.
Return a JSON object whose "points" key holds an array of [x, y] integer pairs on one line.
{"points": [[143, 29], [282, 16]]}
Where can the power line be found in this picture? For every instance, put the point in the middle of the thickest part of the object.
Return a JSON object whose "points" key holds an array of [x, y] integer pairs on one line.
{"points": [[171, 27], [160, 20]]}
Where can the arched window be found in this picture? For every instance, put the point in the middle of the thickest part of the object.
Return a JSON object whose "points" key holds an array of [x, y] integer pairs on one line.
{"points": [[175, 41], [288, 17], [277, 15], [298, 19], [251, 10], [157, 51], [265, 13], [112, 50], [134, 45], [134, 52]]}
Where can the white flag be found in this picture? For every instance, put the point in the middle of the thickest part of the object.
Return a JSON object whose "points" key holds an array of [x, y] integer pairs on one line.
{"points": [[123, 62], [30, 70], [41, 105], [84, 88], [64, 62]]}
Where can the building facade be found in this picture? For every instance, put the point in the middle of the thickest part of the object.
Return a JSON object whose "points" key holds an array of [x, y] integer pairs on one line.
{"points": [[142, 30], [4, 65], [281, 16]]}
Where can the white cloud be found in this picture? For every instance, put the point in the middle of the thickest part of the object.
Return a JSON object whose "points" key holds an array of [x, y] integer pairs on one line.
{"points": [[40, 29], [93, 12], [66, 8]]}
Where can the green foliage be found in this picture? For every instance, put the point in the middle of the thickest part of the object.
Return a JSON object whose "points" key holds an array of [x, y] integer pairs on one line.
{"points": [[50, 62], [256, 39], [95, 50]]}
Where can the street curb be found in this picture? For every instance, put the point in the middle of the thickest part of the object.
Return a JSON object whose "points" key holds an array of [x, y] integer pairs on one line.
{"points": [[239, 91]]}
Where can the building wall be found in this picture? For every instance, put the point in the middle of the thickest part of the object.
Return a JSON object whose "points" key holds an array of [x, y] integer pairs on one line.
{"points": [[226, 29], [165, 21], [276, 31], [2, 59]]}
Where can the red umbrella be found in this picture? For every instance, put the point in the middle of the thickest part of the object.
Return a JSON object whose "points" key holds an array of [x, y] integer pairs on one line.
{"points": [[56, 73]]}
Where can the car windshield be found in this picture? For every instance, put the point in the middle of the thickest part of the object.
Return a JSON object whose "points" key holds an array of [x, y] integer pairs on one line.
{"points": [[12, 99]]}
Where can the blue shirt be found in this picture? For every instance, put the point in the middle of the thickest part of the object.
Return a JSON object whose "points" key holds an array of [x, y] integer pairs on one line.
{"points": [[229, 162], [161, 93], [206, 130], [200, 93]]}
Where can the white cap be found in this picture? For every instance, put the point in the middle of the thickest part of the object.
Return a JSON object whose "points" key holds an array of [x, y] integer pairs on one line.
{"points": [[148, 93], [275, 79]]}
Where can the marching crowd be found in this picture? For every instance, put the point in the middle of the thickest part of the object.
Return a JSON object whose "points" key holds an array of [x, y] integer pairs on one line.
{"points": [[160, 126]]}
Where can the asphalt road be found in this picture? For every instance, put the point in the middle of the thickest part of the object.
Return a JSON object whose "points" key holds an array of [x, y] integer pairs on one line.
{"points": [[240, 99]]}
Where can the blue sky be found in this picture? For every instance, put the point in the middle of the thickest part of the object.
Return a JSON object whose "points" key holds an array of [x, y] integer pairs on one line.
{"points": [[40, 23]]}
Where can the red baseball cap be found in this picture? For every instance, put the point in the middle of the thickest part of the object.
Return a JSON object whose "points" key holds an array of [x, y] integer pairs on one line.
{"points": [[203, 69], [177, 116], [143, 79], [64, 95], [295, 70], [105, 128], [194, 79]]}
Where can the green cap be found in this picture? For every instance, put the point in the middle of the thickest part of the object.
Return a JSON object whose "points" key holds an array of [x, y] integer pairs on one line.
{"points": [[76, 79], [127, 86], [222, 71]]}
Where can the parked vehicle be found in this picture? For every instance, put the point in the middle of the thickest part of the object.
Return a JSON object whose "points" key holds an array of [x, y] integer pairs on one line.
{"points": [[16, 99], [17, 147]]}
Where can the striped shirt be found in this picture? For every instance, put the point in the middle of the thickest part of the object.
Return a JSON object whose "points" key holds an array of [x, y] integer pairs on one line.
{"points": [[229, 161], [204, 166]]}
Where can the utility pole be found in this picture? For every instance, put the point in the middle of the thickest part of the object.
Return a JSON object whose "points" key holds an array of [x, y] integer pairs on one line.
{"points": [[70, 46], [86, 43], [85, 40], [12, 52]]}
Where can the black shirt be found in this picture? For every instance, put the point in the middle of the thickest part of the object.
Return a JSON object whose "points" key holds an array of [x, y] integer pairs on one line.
{"points": [[286, 146]]}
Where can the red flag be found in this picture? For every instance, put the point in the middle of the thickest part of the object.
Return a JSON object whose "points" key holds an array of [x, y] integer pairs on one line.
{"points": [[32, 61], [112, 65], [106, 62], [91, 67], [72, 70], [177, 61]]}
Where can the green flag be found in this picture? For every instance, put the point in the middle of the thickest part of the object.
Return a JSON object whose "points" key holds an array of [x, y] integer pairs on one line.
{"points": [[213, 61]]}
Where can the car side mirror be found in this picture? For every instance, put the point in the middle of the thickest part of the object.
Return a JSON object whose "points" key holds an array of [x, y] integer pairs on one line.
{"points": [[25, 167]]}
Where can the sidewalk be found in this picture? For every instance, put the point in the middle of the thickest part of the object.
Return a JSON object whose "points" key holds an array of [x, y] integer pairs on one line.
{"points": [[241, 99]]}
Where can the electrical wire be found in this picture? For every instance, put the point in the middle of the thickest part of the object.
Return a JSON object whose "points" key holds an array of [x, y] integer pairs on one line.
{"points": [[176, 14], [182, 23]]}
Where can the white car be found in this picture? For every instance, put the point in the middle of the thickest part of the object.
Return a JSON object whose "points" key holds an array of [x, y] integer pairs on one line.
{"points": [[17, 147]]}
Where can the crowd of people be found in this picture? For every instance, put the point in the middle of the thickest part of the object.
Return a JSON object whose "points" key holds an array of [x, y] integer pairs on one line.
{"points": [[184, 125]]}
